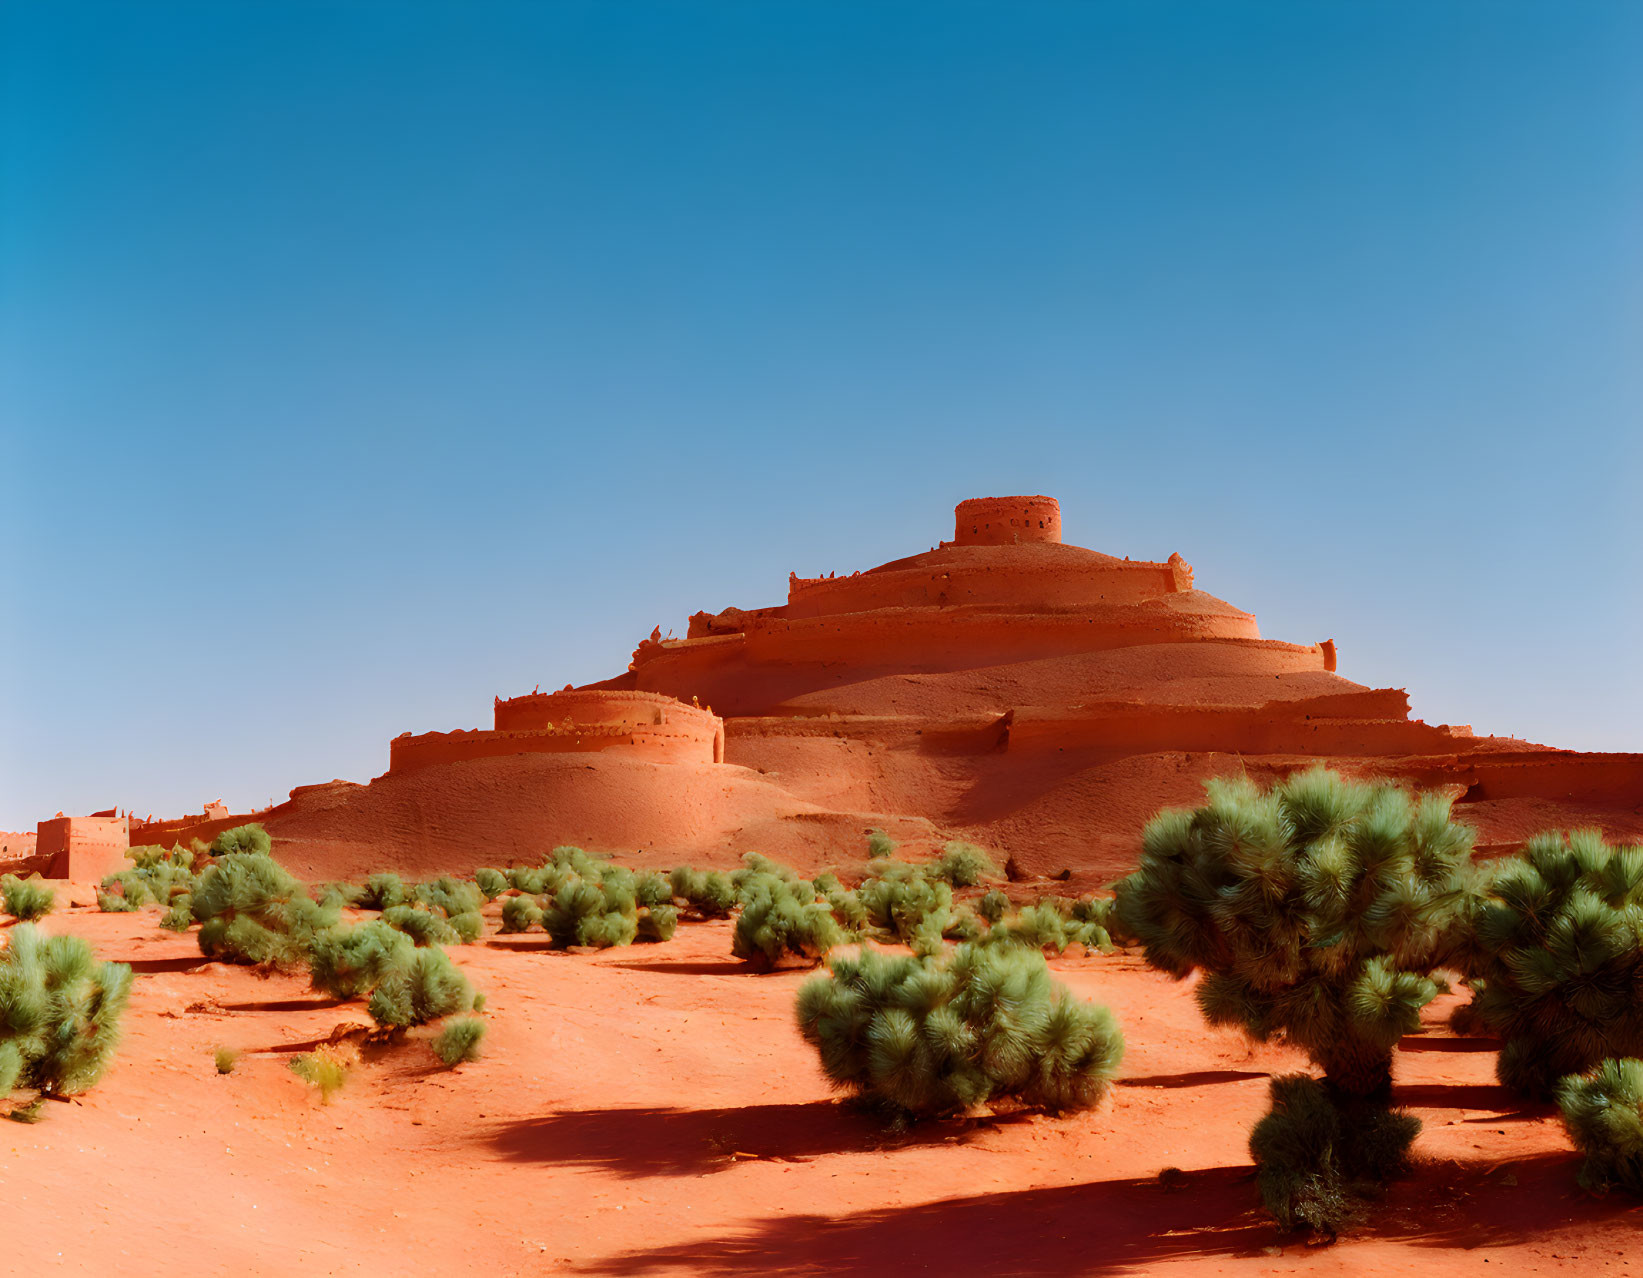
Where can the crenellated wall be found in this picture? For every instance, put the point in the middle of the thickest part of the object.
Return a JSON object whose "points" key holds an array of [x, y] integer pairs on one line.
{"points": [[644, 725], [1006, 521]]}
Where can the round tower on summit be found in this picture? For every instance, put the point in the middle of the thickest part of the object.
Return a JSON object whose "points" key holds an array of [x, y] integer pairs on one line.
{"points": [[1006, 521]]}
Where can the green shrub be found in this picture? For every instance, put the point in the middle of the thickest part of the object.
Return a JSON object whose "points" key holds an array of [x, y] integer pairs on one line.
{"points": [[1603, 1114], [337, 896], [657, 922], [27, 899], [243, 839], [879, 845], [993, 906], [591, 913], [383, 892], [60, 1012], [326, 1068], [425, 927], [520, 914], [708, 894], [531, 880], [460, 1040], [493, 883], [115, 903], [779, 918], [1558, 967], [252, 911], [963, 865], [1317, 1157], [1316, 912], [1053, 924], [349, 962], [904, 904], [225, 1059], [422, 988], [449, 896], [151, 856], [180, 916], [936, 1036]]}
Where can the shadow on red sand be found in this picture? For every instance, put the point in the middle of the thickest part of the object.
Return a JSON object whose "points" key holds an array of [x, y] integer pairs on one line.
{"points": [[1131, 1225]]}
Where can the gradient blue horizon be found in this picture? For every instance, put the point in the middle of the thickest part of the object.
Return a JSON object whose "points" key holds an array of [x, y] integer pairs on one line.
{"points": [[361, 362]]}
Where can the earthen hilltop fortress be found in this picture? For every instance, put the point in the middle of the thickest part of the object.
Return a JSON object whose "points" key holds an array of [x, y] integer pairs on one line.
{"points": [[1005, 688]]}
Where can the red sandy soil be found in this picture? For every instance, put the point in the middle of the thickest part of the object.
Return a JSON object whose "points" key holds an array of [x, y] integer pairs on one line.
{"points": [[653, 1110]]}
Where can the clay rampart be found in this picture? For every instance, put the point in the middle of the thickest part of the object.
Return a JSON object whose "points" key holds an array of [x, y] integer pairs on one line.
{"points": [[595, 707], [679, 742], [1274, 728], [1037, 587]]}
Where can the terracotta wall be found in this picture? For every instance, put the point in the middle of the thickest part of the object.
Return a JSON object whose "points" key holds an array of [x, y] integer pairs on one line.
{"points": [[544, 710], [1282, 727], [677, 742], [84, 848], [1004, 521], [1046, 586]]}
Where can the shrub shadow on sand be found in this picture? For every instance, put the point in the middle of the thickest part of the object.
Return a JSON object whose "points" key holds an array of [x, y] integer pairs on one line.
{"points": [[641, 1142]]}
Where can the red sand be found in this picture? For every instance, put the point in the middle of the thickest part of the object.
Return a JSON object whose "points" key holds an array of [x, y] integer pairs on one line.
{"points": [[653, 1110], [1004, 688]]}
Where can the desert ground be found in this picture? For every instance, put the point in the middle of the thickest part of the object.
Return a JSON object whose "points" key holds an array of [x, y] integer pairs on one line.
{"points": [[654, 1110]]}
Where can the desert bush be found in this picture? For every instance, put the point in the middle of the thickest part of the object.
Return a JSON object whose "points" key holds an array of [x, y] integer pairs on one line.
{"points": [[905, 904], [493, 883], [1053, 924], [459, 1041], [993, 906], [424, 986], [349, 962], [848, 908], [1603, 1114], [159, 879], [337, 896], [225, 1058], [1558, 964], [1318, 1158], [425, 927], [879, 845], [520, 914], [252, 911], [180, 916], [600, 914], [707, 894], [382, 891], [243, 839], [531, 880], [151, 856], [936, 1036], [27, 899], [780, 917], [60, 1012], [963, 865], [449, 896], [326, 1068], [1316, 912]]}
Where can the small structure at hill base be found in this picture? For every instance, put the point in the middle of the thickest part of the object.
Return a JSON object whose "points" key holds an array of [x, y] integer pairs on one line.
{"points": [[84, 847]]}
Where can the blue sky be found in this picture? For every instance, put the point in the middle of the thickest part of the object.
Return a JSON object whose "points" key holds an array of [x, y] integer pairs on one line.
{"points": [[359, 362]]}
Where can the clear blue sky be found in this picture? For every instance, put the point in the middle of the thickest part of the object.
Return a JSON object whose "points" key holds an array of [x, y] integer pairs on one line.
{"points": [[361, 361]]}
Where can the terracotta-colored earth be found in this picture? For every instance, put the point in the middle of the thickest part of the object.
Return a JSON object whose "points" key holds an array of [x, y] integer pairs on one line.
{"points": [[653, 1110]]}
